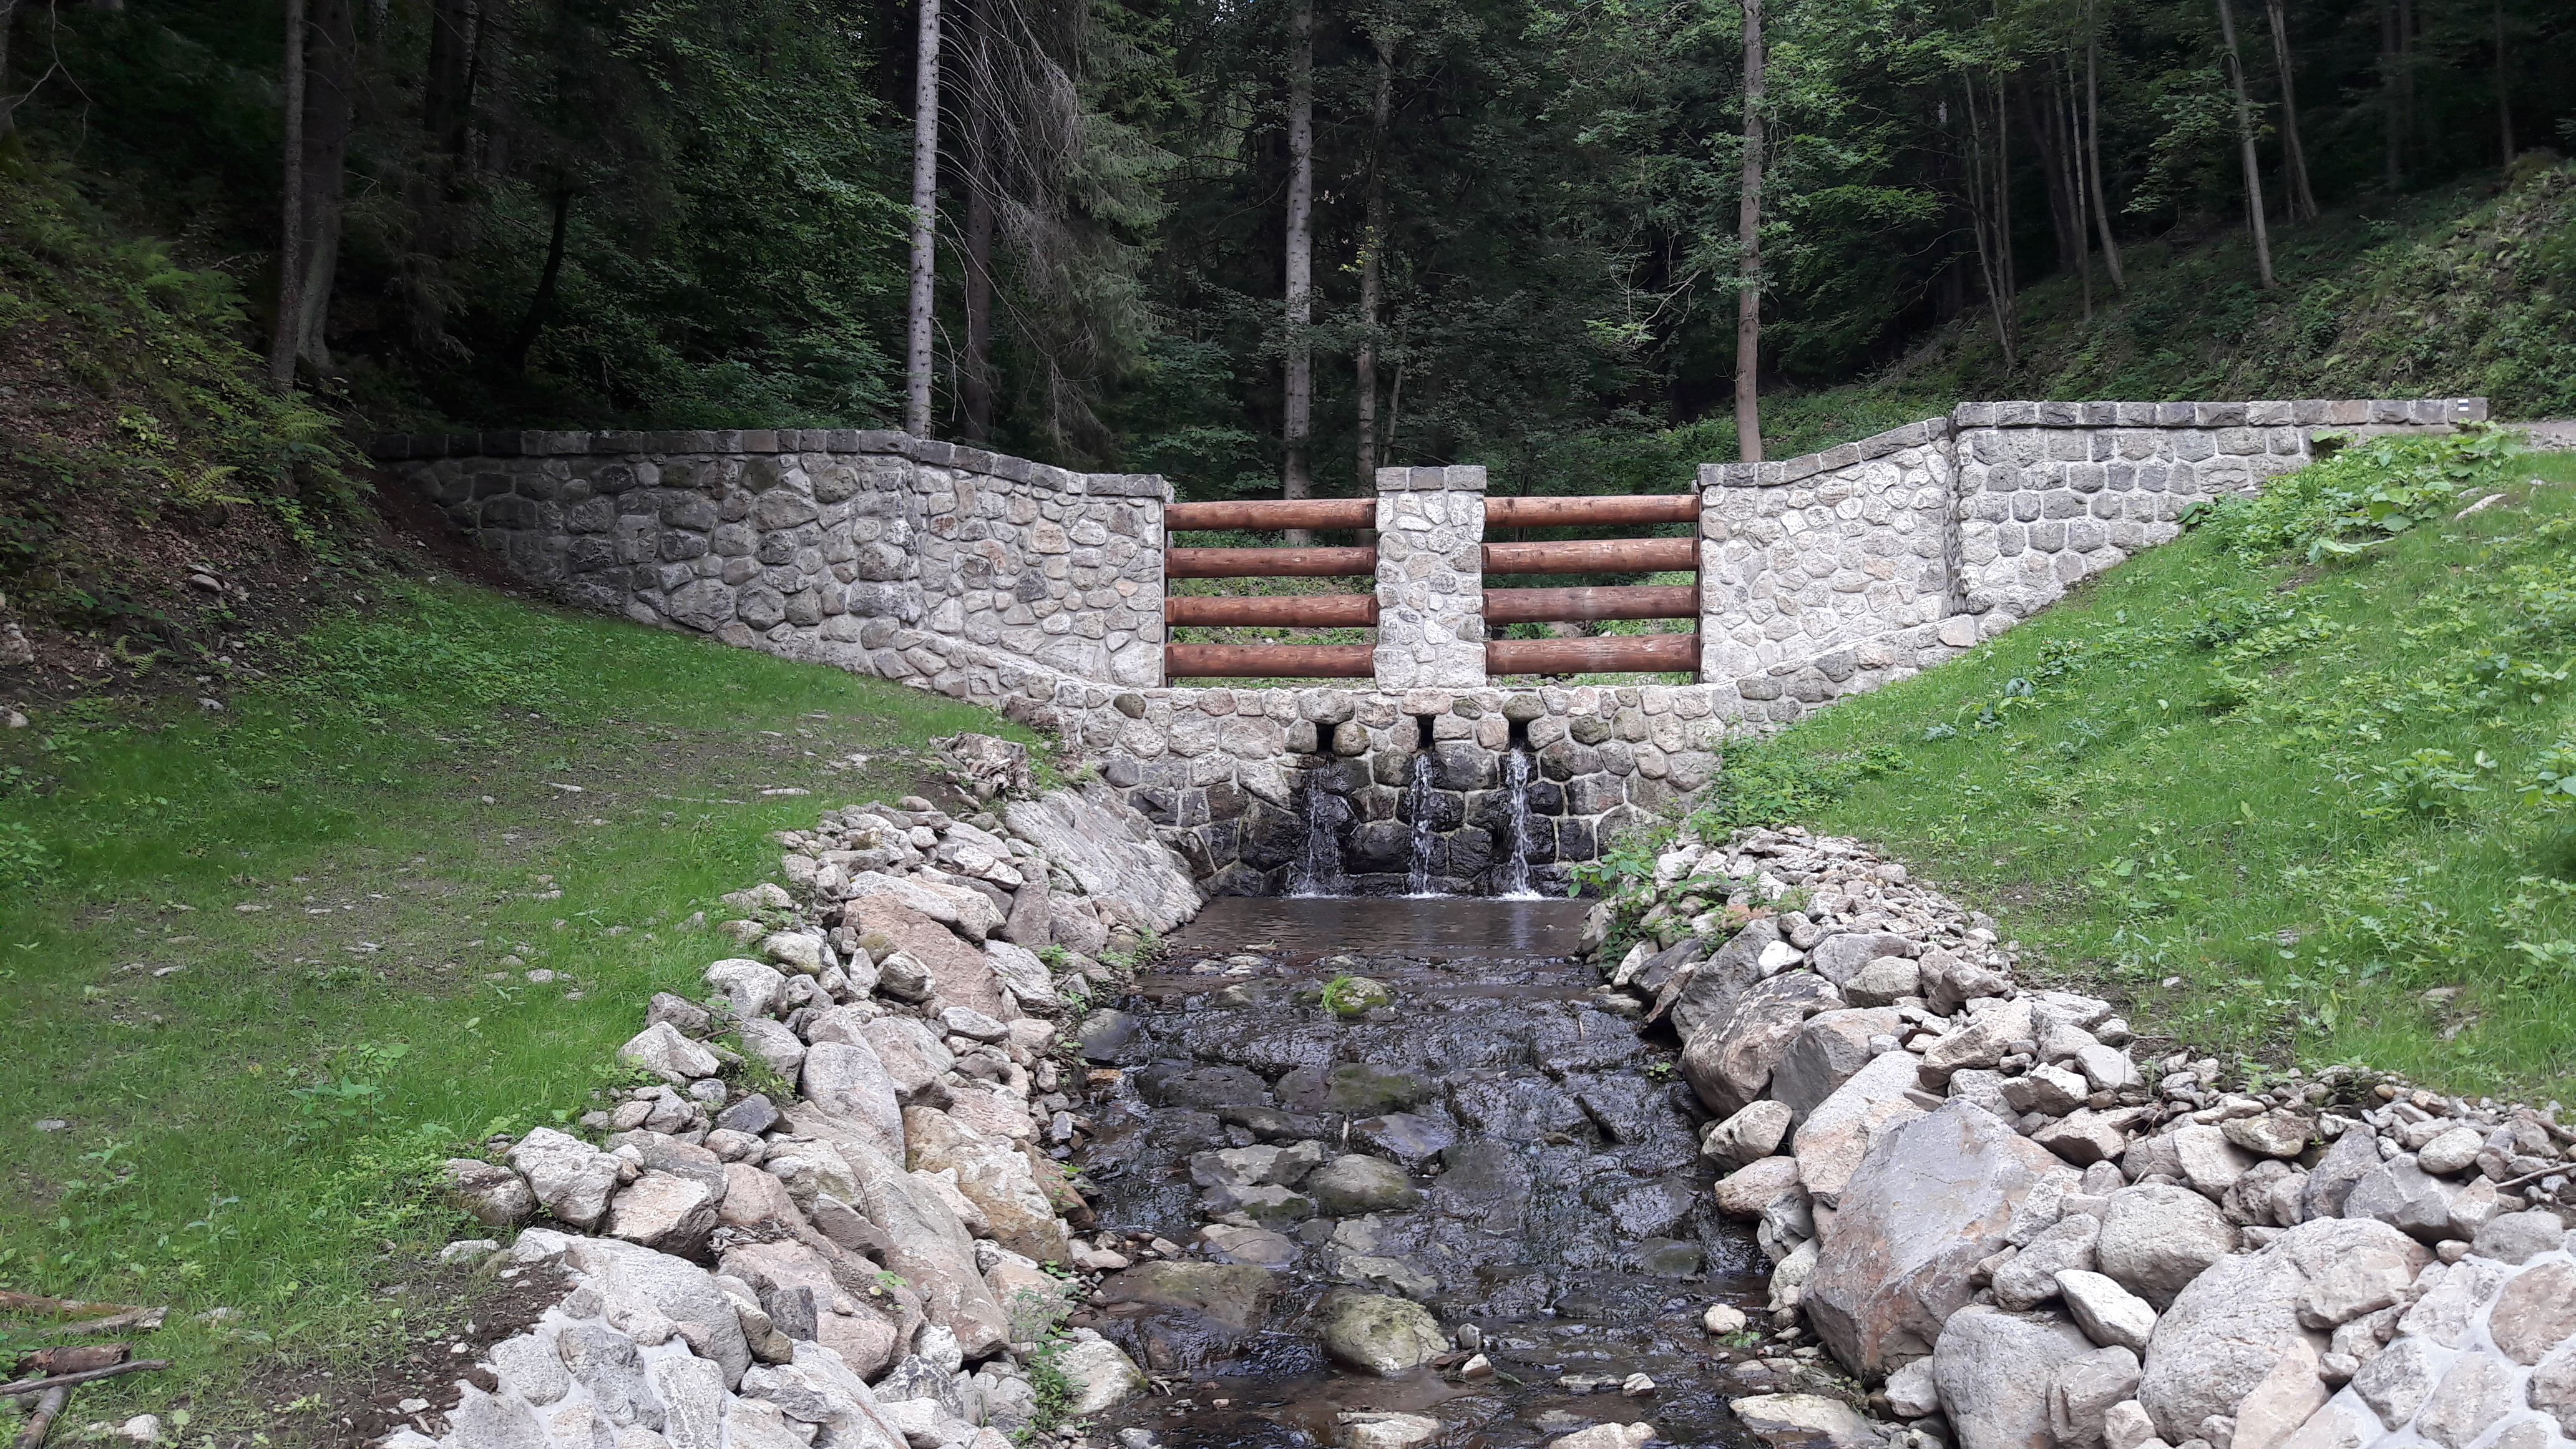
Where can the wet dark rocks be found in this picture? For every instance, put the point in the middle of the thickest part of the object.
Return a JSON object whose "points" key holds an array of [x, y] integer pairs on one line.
{"points": [[1404, 1137], [1358, 1089], [1184, 1084]]}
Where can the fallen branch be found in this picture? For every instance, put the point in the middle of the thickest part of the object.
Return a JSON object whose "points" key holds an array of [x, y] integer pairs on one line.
{"points": [[105, 1316], [42, 1420], [72, 1358], [38, 1386]]}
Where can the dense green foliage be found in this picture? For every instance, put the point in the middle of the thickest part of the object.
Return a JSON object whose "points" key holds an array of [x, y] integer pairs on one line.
{"points": [[2284, 807], [268, 966], [1559, 184]]}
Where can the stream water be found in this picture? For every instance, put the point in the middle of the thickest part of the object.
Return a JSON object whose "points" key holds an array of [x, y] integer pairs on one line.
{"points": [[1559, 1218]]}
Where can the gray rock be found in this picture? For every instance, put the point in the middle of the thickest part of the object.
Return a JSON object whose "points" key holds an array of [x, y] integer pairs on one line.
{"points": [[571, 1177], [928, 1247], [2535, 1313], [490, 1194], [1410, 1139], [2402, 1195], [2364, 1282], [1114, 1037], [691, 1018], [2397, 1382], [2553, 1390], [2030, 1279], [2274, 1134], [1843, 1129], [2109, 1314], [1911, 1394], [2451, 1300], [663, 1211], [776, 1046], [529, 1366], [2284, 1399], [495, 1421], [1716, 984], [1729, 1062], [1840, 958], [2473, 1397], [1778, 1420], [1110, 852], [1754, 1133], [1884, 982], [1984, 1039], [2451, 1152], [2083, 1391], [2210, 1163], [609, 1365], [1994, 1371], [1102, 1374], [1378, 1334], [750, 988], [1826, 1052], [2344, 1423], [2353, 1156], [2514, 1238], [628, 1276], [849, 1083], [753, 1114], [1354, 1184], [973, 1025], [1019, 968], [915, 1059], [2155, 1239], [1931, 1201], [2229, 1328]]}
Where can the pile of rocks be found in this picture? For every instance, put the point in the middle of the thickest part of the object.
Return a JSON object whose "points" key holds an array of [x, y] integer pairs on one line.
{"points": [[1978, 1194], [878, 1249]]}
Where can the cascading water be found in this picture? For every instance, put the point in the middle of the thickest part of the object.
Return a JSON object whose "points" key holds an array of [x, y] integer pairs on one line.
{"points": [[1318, 871], [1511, 878], [1418, 802]]}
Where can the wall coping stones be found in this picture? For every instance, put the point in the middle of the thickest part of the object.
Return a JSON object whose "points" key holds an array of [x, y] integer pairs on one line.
{"points": [[2305, 413], [423, 447]]}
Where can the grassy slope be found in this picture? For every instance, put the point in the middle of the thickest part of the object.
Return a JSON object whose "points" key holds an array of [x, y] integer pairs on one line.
{"points": [[241, 1126], [2218, 855]]}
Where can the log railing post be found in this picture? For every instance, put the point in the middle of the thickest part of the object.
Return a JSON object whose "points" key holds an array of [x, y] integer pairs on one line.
{"points": [[1430, 578]]}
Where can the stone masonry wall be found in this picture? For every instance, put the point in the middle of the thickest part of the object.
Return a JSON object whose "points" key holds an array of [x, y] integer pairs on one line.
{"points": [[1838, 572], [975, 575], [1430, 578]]}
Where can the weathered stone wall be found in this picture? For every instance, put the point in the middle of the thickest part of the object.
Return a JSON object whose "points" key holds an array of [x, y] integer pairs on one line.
{"points": [[1227, 774], [975, 575], [1838, 572], [1430, 578]]}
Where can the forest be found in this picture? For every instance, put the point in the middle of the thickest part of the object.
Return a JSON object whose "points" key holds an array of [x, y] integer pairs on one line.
{"points": [[1258, 246]]}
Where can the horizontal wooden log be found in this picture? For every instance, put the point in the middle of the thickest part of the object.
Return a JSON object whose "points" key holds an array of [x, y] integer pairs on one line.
{"points": [[1591, 512], [1268, 661], [1550, 606], [1593, 556], [1273, 513], [1291, 611], [1612, 654], [1269, 563]]}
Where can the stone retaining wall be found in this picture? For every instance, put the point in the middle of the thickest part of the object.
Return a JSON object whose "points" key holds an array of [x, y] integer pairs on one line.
{"points": [[971, 574], [1834, 573]]}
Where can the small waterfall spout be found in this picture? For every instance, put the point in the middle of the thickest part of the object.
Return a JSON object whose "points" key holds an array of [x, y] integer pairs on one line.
{"points": [[1425, 839], [1511, 878], [1318, 871]]}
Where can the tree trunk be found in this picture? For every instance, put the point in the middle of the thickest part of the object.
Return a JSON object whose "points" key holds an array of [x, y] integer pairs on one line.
{"points": [[1748, 241], [2062, 115], [2504, 96], [1373, 269], [2093, 147], [2391, 174], [2410, 124], [331, 79], [975, 378], [8, 102], [284, 337], [2294, 152], [1297, 422], [2245, 144], [543, 302], [2039, 119], [447, 86], [1990, 213], [925, 217]]}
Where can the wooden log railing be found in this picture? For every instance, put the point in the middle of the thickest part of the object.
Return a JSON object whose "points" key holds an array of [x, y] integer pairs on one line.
{"points": [[1558, 606], [1268, 661], [1262, 513], [1593, 556], [1608, 654], [1284, 611], [1268, 563]]}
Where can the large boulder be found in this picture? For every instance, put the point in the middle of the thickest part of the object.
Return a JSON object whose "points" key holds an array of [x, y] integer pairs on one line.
{"points": [[1189, 1317], [1709, 995], [1378, 1334], [928, 1247], [847, 1081], [630, 1277], [1827, 1051], [1729, 1061], [1806, 1421], [1934, 1198], [993, 1174], [959, 974], [1993, 1370], [2157, 1237], [1754, 1133], [2230, 1327], [1356, 1183], [571, 1177], [1110, 851], [1838, 1134]]}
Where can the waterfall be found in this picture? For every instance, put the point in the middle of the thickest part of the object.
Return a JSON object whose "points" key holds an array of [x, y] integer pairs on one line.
{"points": [[1318, 871], [1425, 839], [1511, 878]]}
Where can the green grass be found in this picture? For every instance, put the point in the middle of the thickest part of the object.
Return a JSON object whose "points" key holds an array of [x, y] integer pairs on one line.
{"points": [[2201, 784], [247, 1130]]}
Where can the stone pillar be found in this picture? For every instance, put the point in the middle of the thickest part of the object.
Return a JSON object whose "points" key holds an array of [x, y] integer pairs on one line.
{"points": [[1430, 578]]}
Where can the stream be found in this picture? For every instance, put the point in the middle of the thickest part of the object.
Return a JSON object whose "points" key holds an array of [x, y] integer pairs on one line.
{"points": [[1551, 1211]]}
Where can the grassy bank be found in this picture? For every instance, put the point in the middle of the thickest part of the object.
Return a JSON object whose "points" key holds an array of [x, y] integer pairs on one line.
{"points": [[261, 965], [2281, 798]]}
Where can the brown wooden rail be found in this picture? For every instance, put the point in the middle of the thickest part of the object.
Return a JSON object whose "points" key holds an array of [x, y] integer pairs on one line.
{"points": [[1273, 513], [1593, 556], [1307, 611], [1591, 512], [1612, 654], [1270, 563], [1268, 661], [1548, 606]]}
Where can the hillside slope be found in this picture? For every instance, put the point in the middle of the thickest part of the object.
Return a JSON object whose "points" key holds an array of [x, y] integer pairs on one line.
{"points": [[2297, 784]]}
